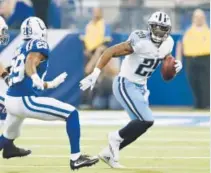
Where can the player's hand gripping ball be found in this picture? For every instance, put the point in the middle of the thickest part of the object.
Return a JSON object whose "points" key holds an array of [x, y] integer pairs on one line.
{"points": [[168, 69]]}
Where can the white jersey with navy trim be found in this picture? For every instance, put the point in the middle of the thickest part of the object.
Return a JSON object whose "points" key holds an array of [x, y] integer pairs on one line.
{"points": [[138, 66]]}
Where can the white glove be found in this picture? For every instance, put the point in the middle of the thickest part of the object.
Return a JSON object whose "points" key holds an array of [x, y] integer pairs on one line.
{"points": [[178, 65], [57, 81], [37, 82], [90, 80]]}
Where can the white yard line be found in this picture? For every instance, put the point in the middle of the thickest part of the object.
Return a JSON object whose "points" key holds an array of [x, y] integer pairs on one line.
{"points": [[166, 158], [126, 157], [105, 139], [86, 131], [130, 147], [138, 168], [111, 118], [105, 129]]}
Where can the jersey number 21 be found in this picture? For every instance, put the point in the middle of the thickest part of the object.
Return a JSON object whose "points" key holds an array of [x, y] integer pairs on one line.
{"points": [[149, 65]]}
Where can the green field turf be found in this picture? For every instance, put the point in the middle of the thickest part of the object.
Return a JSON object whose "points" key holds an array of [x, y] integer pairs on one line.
{"points": [[161, 150]]}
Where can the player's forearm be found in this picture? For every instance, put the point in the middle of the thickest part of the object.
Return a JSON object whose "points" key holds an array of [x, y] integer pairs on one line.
{"points": [[5, 77], [31, 71], [30, 68], [33, 60], [118, 50], [179, 51], [105, 58], [4, 74]]}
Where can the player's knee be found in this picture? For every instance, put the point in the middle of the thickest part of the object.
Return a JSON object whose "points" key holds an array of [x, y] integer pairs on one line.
{"points": [[146, 124], [73, 119], [75, 113], [149, 123]]}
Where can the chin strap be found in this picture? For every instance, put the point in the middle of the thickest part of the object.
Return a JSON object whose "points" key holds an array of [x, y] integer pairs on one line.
{"points": [[156, 43]]}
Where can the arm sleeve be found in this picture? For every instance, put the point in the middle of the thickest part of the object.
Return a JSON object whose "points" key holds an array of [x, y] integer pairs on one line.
{"points": [[134, 40], [40, 46], [171, 43]]}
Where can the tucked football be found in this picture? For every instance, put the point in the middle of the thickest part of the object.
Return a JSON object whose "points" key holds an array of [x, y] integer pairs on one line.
{"points": [[168, 70]]}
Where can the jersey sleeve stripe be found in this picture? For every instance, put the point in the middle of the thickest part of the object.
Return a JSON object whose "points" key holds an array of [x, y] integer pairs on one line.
{"points": [[28, 45], [31, 44]]}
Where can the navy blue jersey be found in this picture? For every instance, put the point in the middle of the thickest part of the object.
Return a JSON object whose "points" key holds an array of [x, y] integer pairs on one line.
{"points": [[19, 83]]}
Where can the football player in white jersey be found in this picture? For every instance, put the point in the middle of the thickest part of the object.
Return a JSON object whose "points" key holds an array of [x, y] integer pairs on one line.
{"points": [[10, 150], [144, 51]]}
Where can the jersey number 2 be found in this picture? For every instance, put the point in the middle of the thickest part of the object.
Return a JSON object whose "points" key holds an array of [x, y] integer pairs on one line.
{"points": [[148, 66], [17, 71]]}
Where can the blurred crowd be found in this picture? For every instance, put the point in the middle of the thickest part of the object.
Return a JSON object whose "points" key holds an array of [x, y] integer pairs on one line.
{"points": [[194, 46], [122, 15], [99, 23], [102, 97]]}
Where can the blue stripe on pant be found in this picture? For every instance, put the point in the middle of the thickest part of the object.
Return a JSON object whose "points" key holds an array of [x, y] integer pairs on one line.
{"points": [[131, 98], [48, 106], [44, 111]]}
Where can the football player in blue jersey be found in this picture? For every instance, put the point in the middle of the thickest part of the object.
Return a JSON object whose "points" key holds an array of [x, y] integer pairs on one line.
{"points": [[22, 101], [4, 76], [4, 38], [9, 150]]}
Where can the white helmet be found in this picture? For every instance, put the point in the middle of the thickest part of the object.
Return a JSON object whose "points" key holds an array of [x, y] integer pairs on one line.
{"points": [[4, 36], [159, 26], [33, 28]]}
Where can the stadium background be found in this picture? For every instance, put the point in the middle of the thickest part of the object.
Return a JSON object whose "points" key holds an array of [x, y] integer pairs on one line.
{"points": [[67, 20], [180, 131]]}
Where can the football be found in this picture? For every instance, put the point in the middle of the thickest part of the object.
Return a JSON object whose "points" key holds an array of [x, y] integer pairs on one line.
{"points": [[168, 70]]}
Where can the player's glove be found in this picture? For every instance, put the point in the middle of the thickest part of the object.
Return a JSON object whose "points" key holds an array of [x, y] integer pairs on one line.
{"points": [[178, 65], [37, 82], [90, 80], [57, 81]]}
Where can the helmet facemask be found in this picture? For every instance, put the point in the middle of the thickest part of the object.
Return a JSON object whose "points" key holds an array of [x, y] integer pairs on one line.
{"points": [[4, 36], [159, 32]]}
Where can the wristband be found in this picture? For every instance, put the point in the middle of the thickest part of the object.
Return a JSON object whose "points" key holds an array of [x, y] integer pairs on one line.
{"points": [[50, 85], [35, 77], [97, 71]]}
